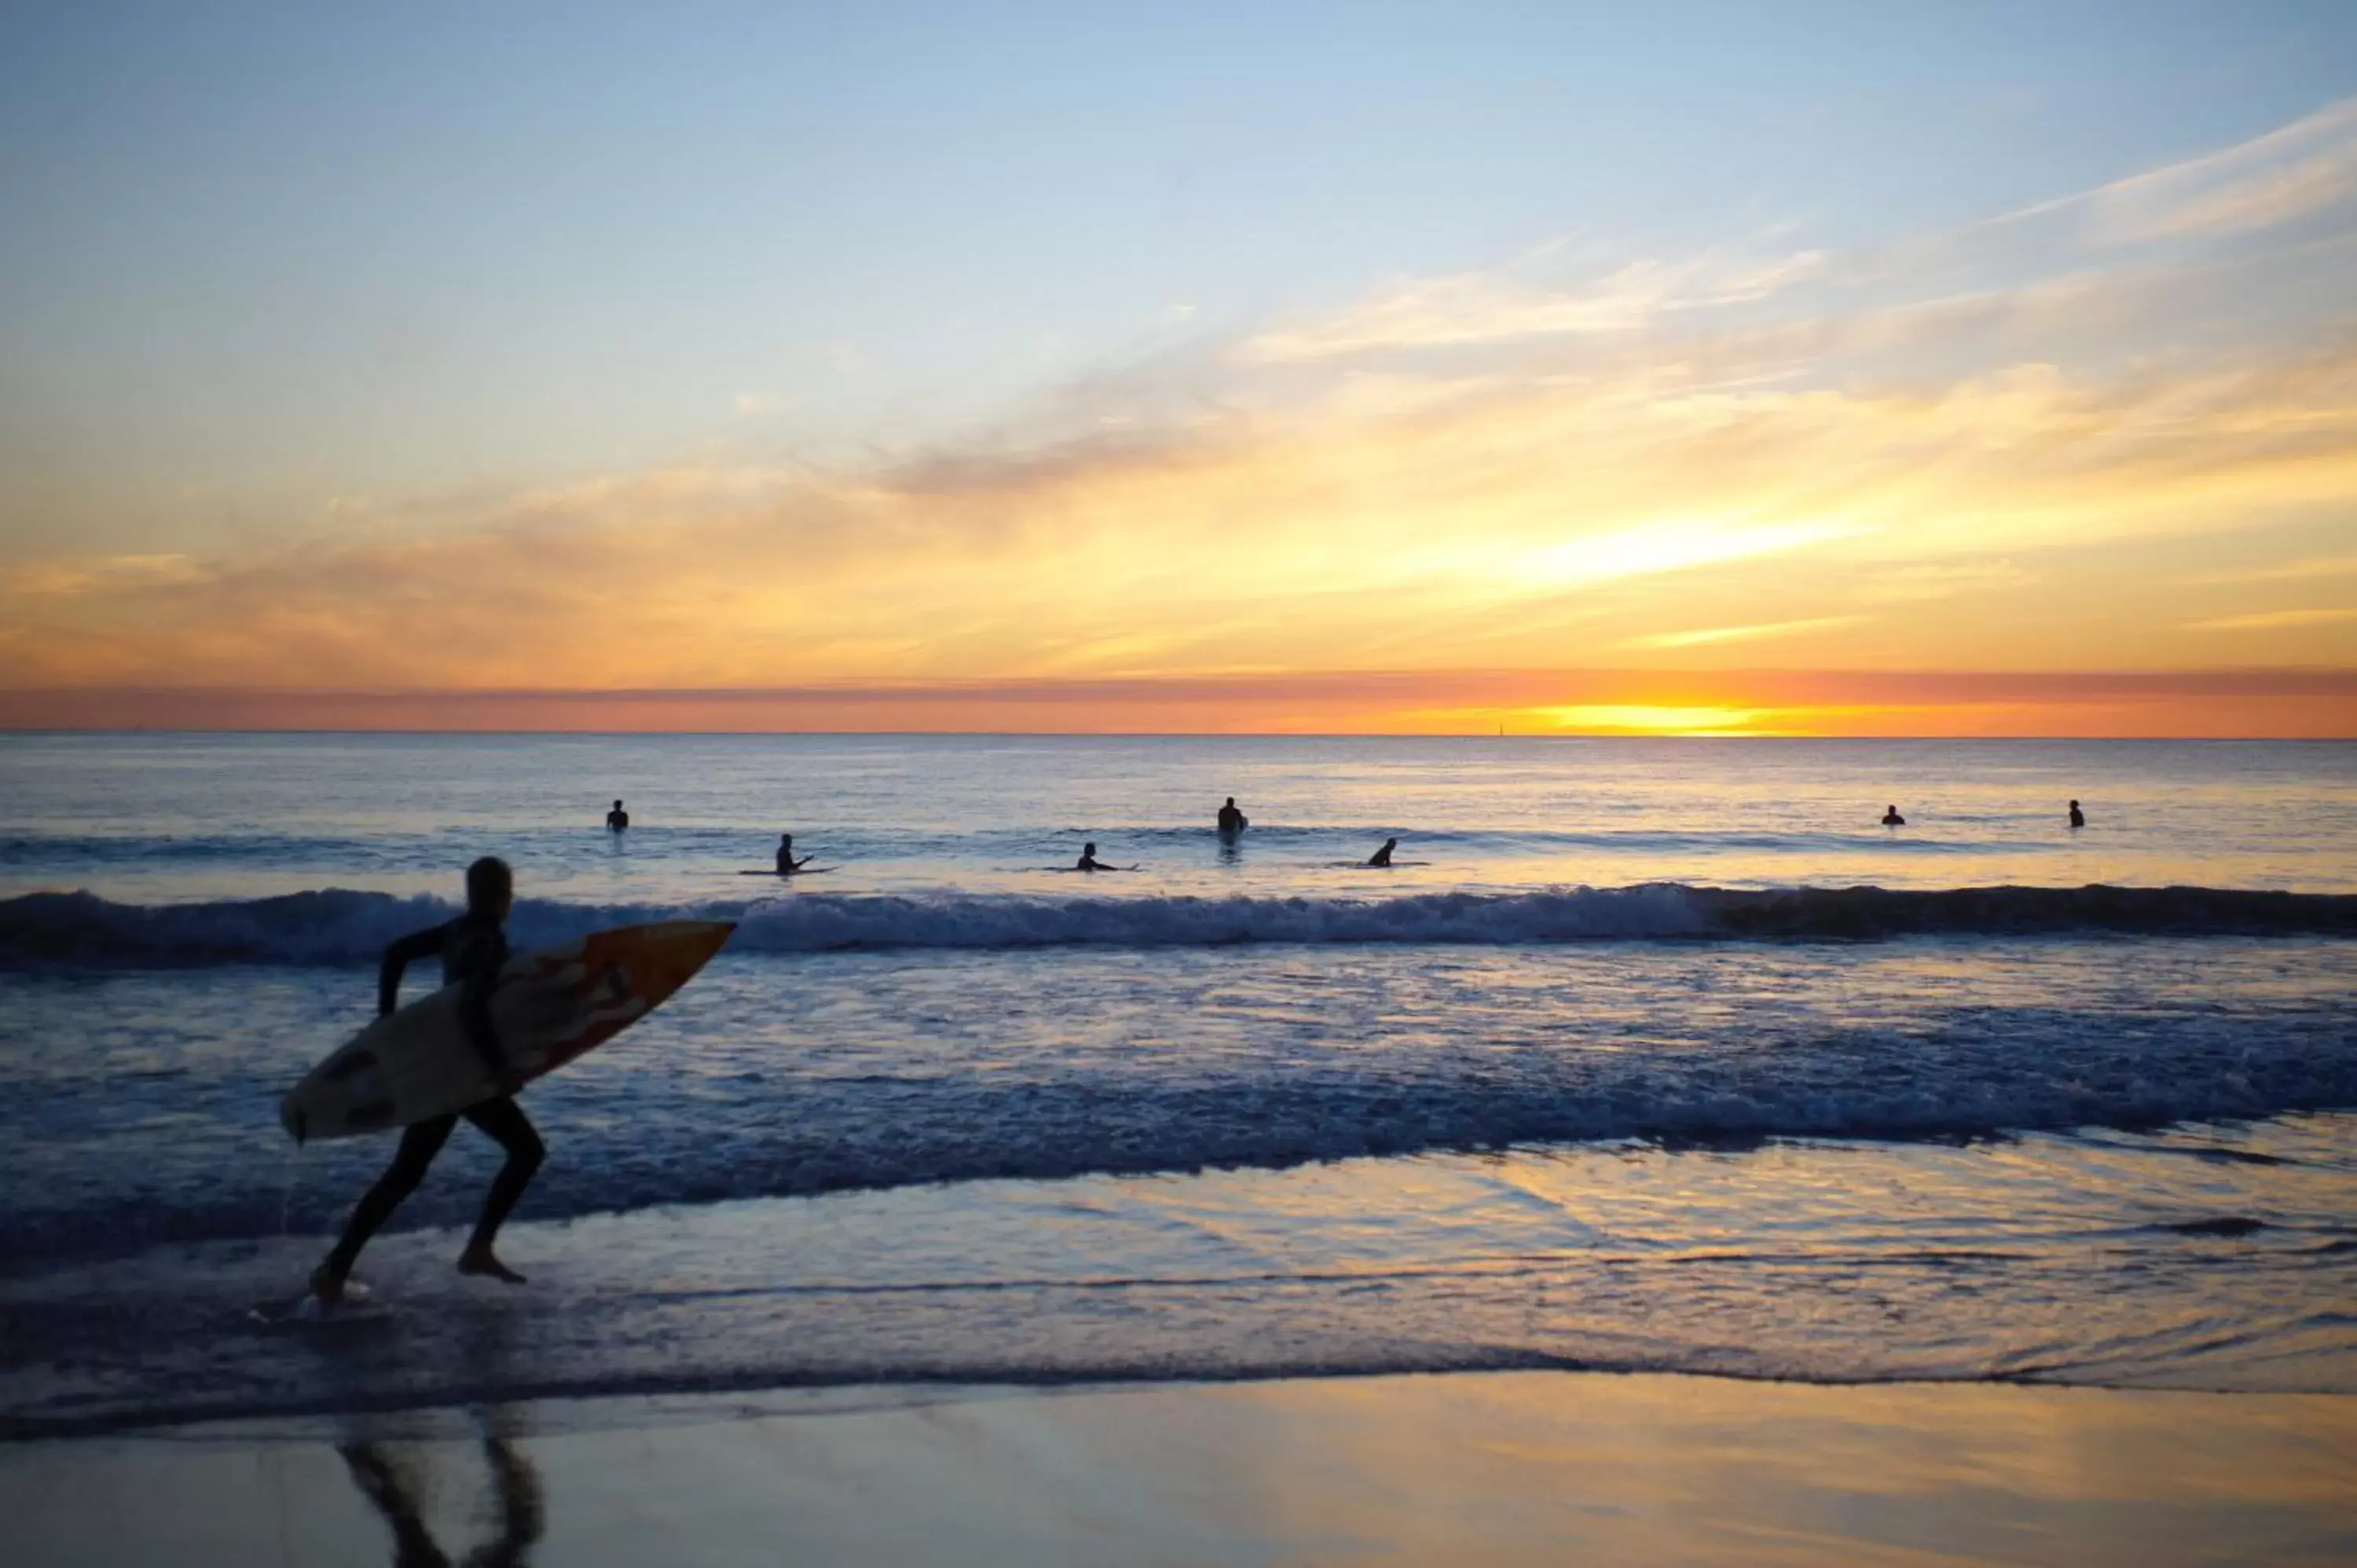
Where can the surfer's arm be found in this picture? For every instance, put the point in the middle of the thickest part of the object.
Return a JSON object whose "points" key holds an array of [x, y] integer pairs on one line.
{"points": [[397, 958]]}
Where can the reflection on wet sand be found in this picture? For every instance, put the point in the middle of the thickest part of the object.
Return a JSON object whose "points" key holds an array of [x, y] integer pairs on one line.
{"points": [[394, 1495]]}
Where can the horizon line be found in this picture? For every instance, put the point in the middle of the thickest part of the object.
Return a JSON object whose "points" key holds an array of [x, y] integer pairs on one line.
{"points": [[2310, 703]]}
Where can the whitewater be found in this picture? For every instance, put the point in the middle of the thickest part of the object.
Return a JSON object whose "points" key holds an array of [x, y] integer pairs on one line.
{"points": [[1658, 1055]]}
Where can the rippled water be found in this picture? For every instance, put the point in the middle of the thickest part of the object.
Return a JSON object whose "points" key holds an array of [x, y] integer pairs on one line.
{"points": [[1667, 1056], [152, 818]]}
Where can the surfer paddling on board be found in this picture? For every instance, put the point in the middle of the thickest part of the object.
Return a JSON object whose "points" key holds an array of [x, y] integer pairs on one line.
{"points": [[617, 819], [786, 864], [472, 947]]}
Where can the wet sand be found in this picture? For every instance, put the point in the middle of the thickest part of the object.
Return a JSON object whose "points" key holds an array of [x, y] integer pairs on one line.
{"points": [[1468, 1468]]}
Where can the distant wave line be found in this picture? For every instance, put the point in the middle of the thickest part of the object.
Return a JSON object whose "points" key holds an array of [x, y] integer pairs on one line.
{"points": [[336, 926]]}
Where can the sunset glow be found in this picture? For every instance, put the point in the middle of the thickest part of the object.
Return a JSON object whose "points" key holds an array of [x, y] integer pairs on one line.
{"points": [[2075, 429]]}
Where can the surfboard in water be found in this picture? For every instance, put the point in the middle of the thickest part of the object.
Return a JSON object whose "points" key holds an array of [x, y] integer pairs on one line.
{"points": [[548, 1006]]}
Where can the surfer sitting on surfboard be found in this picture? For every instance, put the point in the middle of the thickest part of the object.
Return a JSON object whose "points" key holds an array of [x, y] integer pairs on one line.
{"points": [[1384, 856], [1089, 861], [786, 864], [472, 947]]}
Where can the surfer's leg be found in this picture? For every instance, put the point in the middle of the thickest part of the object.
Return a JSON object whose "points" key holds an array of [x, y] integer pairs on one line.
{"points": [[419, 1144], [505, 1121]]}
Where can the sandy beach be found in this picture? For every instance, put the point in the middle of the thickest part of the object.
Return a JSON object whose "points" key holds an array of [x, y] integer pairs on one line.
{"points": [[1493, 1468]]}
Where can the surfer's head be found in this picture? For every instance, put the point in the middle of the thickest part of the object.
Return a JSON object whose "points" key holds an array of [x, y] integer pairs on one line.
{"points": [[490, 887]]}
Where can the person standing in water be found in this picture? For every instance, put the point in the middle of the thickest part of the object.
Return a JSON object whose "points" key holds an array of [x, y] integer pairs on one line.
{"points": [[1891, 819], [617, 819], [1384, 856], [786, 864], [472, 947], [1233, 822], [2078, 817]]}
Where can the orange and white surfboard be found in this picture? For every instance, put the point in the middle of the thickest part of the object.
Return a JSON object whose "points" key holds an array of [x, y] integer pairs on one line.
{"points": [[548, 1007]]}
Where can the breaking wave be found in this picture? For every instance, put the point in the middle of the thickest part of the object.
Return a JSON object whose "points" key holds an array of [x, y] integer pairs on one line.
{"points": [[335, 926]]}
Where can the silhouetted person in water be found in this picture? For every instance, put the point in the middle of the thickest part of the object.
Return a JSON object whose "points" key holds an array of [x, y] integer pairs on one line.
{"points": [[1233, 822], [1891, 819], [1089, 861], [786, 864], [617, 819], [472, 947], [1384, 856], [2078, 817]]}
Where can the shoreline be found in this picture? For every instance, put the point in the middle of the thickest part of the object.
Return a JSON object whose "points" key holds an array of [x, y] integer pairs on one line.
{"points": [[1469, 1467]]}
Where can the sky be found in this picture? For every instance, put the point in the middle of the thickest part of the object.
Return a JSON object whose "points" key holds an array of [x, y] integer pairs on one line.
{"points": [[1835, 368]]}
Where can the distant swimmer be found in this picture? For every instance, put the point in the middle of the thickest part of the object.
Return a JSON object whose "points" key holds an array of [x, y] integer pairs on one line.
{"points": [[2078, 817], [1233, 822], [1089, 861], [472, 949], [1891, 819], [617, 819], [1384, 856], [786, 864]]}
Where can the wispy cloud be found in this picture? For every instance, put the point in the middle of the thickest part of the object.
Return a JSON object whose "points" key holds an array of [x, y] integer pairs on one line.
{"points": [[2287, 571], [95, 574], [1707, 636], [1485, 307], [2288, 174], [2273, 620]]}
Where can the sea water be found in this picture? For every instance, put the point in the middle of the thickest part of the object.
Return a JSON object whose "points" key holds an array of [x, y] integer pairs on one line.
{"points": [[1650, 1054]]}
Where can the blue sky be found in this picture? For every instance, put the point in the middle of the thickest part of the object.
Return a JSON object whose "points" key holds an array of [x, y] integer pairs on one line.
{"points": [[264, 249]]}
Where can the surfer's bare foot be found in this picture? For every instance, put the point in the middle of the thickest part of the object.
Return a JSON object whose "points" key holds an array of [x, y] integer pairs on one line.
{"points": [[327, 1284], [479, 1261]]}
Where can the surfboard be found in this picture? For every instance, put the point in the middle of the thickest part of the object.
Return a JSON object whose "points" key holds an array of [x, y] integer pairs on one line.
{"points": [[806, 871], [548, 1006]]}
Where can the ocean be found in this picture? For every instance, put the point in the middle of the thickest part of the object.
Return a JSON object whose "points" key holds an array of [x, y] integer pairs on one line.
{"points": [[1648, 1054]]}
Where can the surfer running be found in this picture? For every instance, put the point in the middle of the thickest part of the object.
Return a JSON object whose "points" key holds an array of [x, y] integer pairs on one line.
{"points": [[472, 947], [617, 819], [786, 864]]}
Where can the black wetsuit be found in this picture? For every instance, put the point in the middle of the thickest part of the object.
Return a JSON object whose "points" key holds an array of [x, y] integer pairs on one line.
{"points": [[471, 951]]}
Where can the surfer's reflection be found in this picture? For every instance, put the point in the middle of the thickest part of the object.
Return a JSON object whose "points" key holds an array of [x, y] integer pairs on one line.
{"points": [[515, 1493]]}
